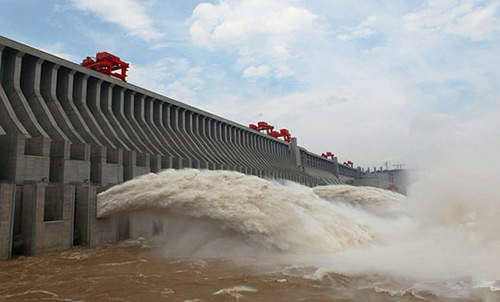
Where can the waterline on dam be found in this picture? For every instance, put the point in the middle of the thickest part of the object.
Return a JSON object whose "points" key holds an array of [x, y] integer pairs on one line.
{"points": [[225, 236]]}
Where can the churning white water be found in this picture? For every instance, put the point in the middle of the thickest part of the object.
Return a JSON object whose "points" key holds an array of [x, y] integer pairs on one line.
{"points": [[287, 218], [338, 229]]}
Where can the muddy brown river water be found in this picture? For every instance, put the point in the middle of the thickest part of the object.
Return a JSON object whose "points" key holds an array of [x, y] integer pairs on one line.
{"points": [[137, 273]]}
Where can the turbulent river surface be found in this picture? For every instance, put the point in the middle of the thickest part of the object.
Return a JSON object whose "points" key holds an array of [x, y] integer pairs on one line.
{"points": [[225, 236]]}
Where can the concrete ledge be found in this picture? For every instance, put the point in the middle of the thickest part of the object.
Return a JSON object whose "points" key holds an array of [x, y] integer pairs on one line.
{"points": [[24, 159]]}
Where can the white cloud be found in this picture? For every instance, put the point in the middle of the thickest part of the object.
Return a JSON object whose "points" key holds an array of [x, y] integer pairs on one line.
{"points": [[259, 31], [57, 49], [128, 14], [186, 88], [474, 19], [282, 71], [358, 104], [232, 24], [179, 90], [102, 40], [256, 72], [173, 77], [363, 30]]}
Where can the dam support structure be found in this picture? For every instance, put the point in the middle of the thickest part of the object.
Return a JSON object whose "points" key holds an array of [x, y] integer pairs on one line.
{"points": [[68, 132]]}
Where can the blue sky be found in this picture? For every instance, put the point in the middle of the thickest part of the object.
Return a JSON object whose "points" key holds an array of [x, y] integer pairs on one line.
{"points": [[363, 79]]}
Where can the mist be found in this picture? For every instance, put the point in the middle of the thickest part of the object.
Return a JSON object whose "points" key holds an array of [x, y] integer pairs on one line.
{"points": [[451, 228], [444, 235]]}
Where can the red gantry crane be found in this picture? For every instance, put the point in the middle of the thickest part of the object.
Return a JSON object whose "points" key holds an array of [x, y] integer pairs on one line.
{"points": [[327, 155], [349, 163], [287, 137], [107, 63], [263, 126]]}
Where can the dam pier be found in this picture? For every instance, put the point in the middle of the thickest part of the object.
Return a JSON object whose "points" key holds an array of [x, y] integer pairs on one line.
{"points": [[68, 132]]}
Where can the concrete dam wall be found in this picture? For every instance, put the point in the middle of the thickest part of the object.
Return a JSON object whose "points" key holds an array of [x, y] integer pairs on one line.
{"points": [[68, 132]]}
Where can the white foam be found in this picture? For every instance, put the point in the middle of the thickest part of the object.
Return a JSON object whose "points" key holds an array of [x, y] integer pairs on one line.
{"points": [[236, 289], [290, 219], [359, 195]]}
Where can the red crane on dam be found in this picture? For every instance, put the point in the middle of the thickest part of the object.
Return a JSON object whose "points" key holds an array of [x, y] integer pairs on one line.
{"points": [[327, 155], [263, 126], [106, 63], [349, 164], [287, 137]]}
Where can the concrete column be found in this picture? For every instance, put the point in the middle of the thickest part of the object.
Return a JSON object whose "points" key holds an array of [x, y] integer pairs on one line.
{"points": [[191, 128], [177, 117], [336, 167], [12, 84], [32, 209], [118, 109], [162, 120], [194, 120], [148, 115], [83, 95], [167, 162], [8, 118], [94, 94], [229, 154], [46, 89], [11, 146], [252, 155], [155, 163], [197, 134], [31, 74], [243, 151], [90, 230], [170, 122], [182, 127], [142, 130], [295, 153], [206, 135], [7, 198], [106, 107], [152, 122]]}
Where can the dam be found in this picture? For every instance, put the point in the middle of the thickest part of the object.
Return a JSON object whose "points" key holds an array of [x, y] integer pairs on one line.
{"points": [[68, 132]]}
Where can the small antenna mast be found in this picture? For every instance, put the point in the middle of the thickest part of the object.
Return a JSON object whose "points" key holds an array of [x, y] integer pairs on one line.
{"points": [[386, 163]]}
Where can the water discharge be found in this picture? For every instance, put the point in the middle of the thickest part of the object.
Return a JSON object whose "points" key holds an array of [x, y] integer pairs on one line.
{"points": [[287, 218], [394, 244]]}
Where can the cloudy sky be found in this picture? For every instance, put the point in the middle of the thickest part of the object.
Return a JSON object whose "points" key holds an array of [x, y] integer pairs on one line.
{"points": [[368, 80]]}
